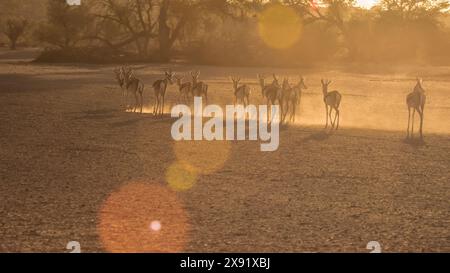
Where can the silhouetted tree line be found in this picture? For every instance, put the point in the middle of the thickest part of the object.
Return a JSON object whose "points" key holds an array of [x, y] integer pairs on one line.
{"points": [[225, 32]]}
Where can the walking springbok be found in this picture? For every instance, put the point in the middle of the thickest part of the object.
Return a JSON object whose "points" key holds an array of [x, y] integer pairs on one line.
{"points": [[286, 94], [241, 92], [290, 98], [120, 77], [416, 100], [185, 89], [270, 92], [296, 100], [332, 101], [160, 87], [135, 86], [199, 88]]}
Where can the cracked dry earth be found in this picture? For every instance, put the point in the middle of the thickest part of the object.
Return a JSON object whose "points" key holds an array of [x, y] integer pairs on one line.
{"points": [[74, 167]]}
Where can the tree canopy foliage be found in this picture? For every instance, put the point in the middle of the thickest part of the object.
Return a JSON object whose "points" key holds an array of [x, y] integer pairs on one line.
{"points": [[229, 31]]}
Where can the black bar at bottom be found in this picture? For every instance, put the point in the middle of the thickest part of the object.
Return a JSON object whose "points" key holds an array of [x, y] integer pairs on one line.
{"points": [[223, 262]]}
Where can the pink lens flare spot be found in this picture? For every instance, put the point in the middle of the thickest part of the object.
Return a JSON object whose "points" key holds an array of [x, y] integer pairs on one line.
{"points": [[155, 225]]}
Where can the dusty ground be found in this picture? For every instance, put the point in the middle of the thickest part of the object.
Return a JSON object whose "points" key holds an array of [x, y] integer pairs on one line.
{"points": [[73, 167]]}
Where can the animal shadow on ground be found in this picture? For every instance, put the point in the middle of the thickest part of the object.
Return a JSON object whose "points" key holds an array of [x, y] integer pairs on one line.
{"points": [[103, 111], [319, 136], [125, 122], [97, 114], [415, 142], [284, 126], [149, 119]]}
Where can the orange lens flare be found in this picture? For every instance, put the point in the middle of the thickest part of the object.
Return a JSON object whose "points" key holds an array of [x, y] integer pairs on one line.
{"points": [[143, 217]]}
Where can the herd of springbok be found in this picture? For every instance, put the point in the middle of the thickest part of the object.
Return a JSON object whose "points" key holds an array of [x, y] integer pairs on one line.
{"points": [[286, 95]]}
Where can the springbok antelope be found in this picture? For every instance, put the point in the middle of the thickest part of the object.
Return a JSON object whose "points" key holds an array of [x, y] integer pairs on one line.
{"points": [[284, 96], [135, 86], [290, 98], [160, 87], [120, 77], [298, 96], [416, 100], [241, 92], [199, 88], [332, 101], [185, 89], [270, 92]]}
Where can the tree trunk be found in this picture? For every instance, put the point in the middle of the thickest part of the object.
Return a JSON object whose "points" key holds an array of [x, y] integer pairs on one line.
{"points": [[13, 44], [164, 32]]}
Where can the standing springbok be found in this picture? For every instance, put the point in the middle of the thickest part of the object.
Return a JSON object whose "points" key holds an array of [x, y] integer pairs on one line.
{"points": [[416, 100], [160, 87], [270, 92], [185, 89], [241, 92], [120, 77], [136, 87], [199, 88], [332, 101]]}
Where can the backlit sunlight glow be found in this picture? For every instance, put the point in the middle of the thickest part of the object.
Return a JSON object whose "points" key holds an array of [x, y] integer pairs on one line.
{"points": [[367, 4]]}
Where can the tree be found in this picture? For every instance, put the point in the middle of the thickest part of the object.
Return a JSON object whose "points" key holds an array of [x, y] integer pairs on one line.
{"points": [[145, 21], [424, 11], [173, 17], [334, 13], [135, 20], [14, 29], [66, 25], [410, 29]]}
